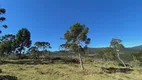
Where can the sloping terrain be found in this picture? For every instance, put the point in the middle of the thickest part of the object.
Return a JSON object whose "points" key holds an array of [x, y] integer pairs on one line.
{"points": [[137, 47]]}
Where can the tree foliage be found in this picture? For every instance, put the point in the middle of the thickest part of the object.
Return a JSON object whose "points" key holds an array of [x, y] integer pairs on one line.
{"points": [[33, 52], [42, 45], [8, 37], [23, 40], [7, 44], [2, 11], [76, 39], [116, 44], [108, 54]]}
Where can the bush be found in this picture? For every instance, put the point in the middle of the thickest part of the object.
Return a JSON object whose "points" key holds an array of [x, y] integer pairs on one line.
{"points": [[65, 60], [33, 55], [22, 56], [138, 56], [135, 62], [12, 56], [107, 54]]}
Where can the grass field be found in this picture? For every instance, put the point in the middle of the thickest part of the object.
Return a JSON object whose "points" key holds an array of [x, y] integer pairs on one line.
{"points": [[60, 71]]}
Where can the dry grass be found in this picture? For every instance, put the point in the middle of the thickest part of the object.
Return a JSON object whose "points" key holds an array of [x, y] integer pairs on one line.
{"points": [[66, 72]]}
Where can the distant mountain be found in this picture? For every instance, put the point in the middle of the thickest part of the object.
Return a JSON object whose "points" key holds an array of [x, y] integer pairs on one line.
{"points": [[97, 50], [137, 47], [126, 50]]}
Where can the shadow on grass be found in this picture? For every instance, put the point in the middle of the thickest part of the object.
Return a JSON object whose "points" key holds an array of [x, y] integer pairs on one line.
{"points": [[115, 70], [42, 61], [7, 77], [29, 62]]}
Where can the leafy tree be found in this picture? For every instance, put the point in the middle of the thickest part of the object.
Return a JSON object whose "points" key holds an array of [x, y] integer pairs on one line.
{"points": [[117, 46], [7, 44], [5, 48], [64, 47], [33, 52], [23, 40], [8, 37], [76, 39], [2, 11], [43, 46]]}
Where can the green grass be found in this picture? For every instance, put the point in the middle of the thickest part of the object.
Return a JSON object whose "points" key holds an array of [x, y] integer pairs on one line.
{"points": [[60, 71]]}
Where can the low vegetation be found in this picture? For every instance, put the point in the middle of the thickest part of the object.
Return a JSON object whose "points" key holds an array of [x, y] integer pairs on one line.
{"points": [[69, 71]]}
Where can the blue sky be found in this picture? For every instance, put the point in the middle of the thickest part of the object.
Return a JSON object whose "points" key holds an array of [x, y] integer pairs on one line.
{"points": [[47, 20]]}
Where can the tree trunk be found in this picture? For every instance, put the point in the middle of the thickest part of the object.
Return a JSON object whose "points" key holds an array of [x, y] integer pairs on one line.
{"points": [[20, 52], [121, 60], [81, 62]]}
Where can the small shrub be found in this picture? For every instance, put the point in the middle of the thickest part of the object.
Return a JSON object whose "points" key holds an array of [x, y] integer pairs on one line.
{"points": [[135, 62], [12, 56], [70, 60]]}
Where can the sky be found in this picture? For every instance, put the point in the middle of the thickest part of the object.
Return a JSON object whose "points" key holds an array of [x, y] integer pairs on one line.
{"points": [[48, 20]]}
